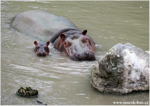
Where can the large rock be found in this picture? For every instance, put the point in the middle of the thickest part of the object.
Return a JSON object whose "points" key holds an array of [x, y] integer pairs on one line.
{"points": [[124, 68]]}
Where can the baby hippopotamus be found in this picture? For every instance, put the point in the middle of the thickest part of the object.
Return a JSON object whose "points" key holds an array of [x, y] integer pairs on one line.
{"points": [[41, 49], [57, 30]]}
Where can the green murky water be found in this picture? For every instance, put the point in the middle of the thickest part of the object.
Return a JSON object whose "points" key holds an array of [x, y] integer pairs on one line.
{"points": [[59, 80]]}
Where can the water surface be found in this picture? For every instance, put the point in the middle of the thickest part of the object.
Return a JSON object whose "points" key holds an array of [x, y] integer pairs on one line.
{"points": [[59, 80]]}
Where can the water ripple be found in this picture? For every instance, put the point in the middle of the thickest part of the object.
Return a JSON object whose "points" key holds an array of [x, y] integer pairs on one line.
{"points": [[25, 68]]}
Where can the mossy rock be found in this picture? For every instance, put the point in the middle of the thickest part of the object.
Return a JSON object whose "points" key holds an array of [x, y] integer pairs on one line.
{"points": [[27, 92]]}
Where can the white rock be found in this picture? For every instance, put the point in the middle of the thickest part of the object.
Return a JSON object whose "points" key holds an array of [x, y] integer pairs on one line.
{"points": [[124, 70]]}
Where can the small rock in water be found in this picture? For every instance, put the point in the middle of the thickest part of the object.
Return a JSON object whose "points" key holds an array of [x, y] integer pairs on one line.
{"points": [[27, 92]]}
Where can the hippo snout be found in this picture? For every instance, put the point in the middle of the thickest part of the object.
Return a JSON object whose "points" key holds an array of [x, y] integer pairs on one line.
{"points": [[81, 55], [41, 54], [87, 55]]}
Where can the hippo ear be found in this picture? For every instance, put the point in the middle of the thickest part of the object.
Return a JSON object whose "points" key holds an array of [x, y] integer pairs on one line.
{"points": [[62, 36], [47, 43], [84, 32], [35, 42]]}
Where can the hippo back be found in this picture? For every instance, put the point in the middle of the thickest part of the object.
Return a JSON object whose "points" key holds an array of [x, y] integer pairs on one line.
{"points": [[40, 24]]}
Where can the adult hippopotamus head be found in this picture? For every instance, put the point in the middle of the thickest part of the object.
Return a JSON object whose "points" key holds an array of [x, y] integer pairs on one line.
{"points": [[41, 49], [76, 44]]}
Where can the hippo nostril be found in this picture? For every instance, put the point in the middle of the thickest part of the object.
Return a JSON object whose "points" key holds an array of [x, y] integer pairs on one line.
{"points": [[86, 53], [39, 54], [44, 54], [77, 55]]}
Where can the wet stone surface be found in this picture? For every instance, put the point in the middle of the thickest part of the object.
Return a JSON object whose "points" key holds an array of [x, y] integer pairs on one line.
{"points": [[123, 69]]}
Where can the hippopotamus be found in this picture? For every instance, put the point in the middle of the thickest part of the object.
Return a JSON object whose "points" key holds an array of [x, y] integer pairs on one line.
{"points": [[57, 30]]}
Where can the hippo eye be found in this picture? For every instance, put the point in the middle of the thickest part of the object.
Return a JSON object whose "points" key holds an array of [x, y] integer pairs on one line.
{"points": [[67, 44], [85, 40], [46, 48]]}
